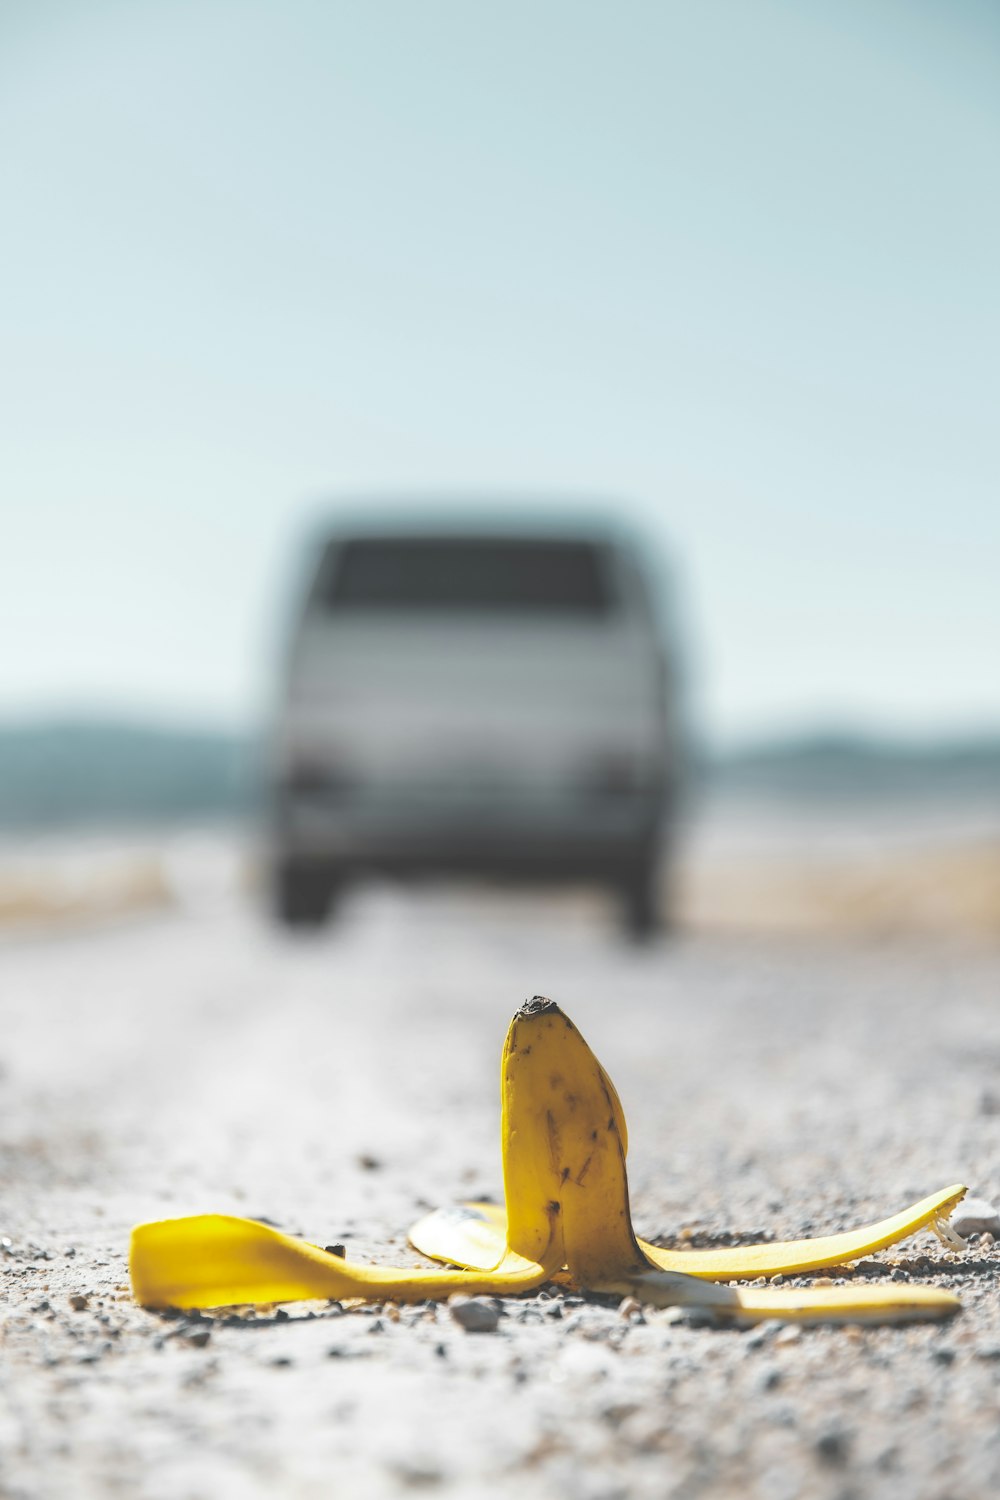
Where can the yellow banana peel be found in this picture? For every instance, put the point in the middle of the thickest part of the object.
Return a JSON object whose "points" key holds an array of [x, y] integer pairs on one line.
{"points": [[566, 1215]]}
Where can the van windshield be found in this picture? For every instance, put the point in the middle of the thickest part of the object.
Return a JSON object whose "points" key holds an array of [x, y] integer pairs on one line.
{"points": [[466, 573]]}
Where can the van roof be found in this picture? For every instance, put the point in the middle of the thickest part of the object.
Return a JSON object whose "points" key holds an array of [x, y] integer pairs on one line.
{"points": [[475, 514]]}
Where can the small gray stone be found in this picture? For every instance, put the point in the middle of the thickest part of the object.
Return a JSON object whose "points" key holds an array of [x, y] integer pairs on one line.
{"points": [[833, 1447], [764, 1333], [417, 1475], [474, 1314], [975, 1216], [699, 1317]]}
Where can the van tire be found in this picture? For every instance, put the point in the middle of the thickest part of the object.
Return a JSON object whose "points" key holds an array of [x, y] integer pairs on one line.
{"points": [[646, 899], [303, 894]]}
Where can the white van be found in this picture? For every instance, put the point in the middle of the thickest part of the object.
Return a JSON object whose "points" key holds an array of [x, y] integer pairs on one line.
{"points": [[494, 699]]}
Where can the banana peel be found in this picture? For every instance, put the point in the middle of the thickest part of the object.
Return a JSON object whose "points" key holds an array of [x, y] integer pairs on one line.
{"points": [[566, 1215]]}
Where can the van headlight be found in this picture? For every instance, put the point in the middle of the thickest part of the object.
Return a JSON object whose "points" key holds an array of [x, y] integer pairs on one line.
{"points": [[314, 777], [615, 774]]}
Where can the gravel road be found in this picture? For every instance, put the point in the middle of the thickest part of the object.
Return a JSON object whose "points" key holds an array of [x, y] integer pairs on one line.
{"points": [[338, 1085]]}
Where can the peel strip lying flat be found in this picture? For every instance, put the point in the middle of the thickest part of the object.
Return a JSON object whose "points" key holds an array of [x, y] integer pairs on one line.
{"points": [[566, 1215], [217, 1260]]}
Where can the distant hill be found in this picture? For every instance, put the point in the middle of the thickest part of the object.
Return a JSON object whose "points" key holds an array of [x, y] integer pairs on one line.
{"points": [[63, 773], [56, 774], [827, 767]]}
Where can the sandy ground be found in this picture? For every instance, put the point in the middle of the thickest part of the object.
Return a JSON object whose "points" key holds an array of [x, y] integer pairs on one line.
{"points": [[186, 1057]]}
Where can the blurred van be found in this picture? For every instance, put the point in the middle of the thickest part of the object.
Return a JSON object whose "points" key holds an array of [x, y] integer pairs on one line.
{"points": [[492, 700]]}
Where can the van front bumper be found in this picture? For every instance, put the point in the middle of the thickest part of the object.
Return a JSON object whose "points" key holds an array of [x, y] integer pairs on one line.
{"points": [[585, 838]]}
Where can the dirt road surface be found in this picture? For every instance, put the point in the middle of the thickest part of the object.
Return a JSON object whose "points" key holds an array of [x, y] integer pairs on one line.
{"points": [[192, 1058]]}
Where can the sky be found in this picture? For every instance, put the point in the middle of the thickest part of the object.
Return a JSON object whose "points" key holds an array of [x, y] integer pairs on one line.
{"points": [[733, 265]]}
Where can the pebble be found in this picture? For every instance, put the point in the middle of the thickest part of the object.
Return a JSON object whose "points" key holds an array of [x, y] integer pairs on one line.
{"points": [[788, 1335], [975, 1216], [474, 1314], [833, 1446], [630, 1307], [417, 1475], [699, 1317], [764, 1333], [79, 1301], [668, 1315], [617, 1412]]}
